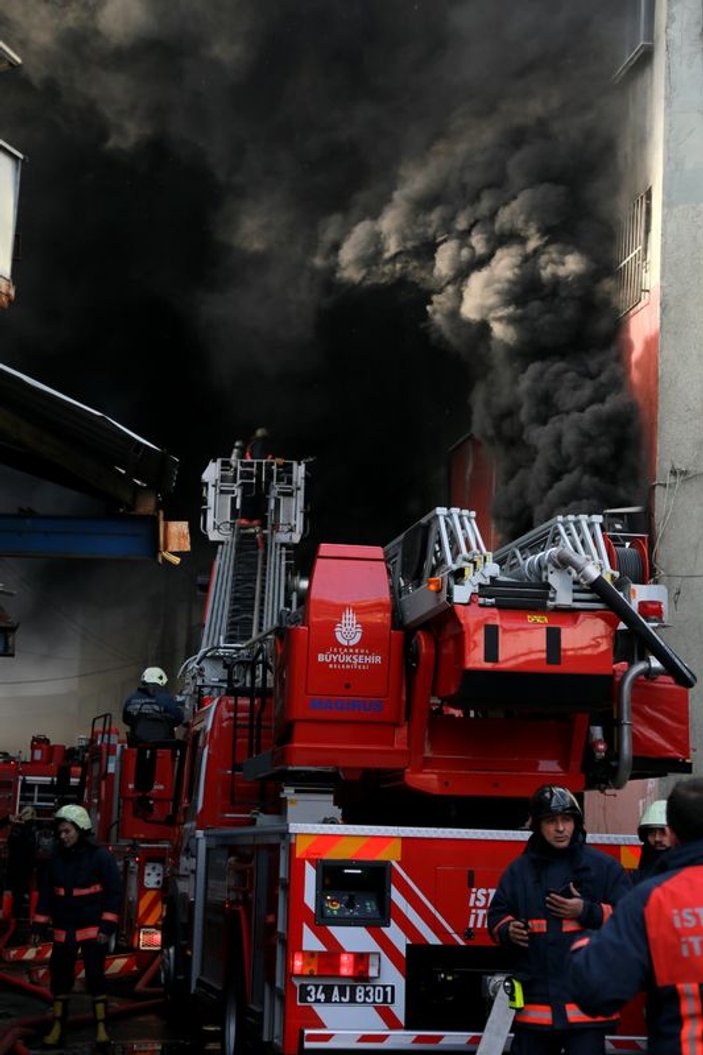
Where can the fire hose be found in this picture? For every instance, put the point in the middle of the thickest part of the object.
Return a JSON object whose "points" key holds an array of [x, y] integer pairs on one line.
{"points": [[12, 1040], [589, 575]]}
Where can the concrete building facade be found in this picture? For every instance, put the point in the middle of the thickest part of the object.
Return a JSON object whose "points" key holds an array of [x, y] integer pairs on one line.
{"points": [[661, 273]]}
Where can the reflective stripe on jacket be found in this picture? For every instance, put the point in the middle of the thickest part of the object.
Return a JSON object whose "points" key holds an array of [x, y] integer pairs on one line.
{"points": [[81, 893], [654, 942]]}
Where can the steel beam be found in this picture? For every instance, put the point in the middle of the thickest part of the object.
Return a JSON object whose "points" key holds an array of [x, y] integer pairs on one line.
{"points": [[129, 537]]}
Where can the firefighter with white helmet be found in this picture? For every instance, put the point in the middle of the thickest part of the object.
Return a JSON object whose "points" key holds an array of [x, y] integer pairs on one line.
{"points": [[655, 836], [557, 887], [154, 676], [80, 901], [150, 713]]}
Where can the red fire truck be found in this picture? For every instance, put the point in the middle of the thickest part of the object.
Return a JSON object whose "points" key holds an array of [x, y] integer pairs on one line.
{"points": [[51, 774], [134, 816], [355, 774], [129, 793]]}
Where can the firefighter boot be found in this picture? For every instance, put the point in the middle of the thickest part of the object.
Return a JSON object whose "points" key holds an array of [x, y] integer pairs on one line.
{"points": [[100, 1014], [54, 1038]]}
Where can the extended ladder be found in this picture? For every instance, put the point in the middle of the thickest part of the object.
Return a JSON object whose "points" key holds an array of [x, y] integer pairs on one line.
{"points": [[253, 564]]}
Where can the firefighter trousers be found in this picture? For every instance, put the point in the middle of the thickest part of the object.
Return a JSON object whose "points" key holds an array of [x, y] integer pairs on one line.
{"points": [[556, 1041], [62, 965]]}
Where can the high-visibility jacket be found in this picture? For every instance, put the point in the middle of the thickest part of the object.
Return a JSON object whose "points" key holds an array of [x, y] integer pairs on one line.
{"points": [[521, 894], [81, 893], [654, 942]]}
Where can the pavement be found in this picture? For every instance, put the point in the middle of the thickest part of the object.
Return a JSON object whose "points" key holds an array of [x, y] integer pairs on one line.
{"points": [[134, 1030]]}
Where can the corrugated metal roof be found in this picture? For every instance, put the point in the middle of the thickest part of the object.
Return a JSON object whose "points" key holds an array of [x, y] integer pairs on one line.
{"points": [[52, 436]]}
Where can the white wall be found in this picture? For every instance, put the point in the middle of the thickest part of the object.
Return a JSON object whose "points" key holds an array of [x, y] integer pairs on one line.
{"points": [[679, 486]]}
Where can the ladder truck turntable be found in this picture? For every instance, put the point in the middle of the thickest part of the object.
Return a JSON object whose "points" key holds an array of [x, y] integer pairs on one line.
{"points": [[354, 777]]}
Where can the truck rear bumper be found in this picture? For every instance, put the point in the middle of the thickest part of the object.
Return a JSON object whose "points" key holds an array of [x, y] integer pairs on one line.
{"points": [[393, 1040]]}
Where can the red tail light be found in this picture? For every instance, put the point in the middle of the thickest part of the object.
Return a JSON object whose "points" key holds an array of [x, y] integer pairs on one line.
{"points": [[651, 610], [336, 964], [150, 938]]}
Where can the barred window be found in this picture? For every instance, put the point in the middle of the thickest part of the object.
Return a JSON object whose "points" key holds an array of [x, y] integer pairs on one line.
{"points": [[633, 253], [637, 33]]}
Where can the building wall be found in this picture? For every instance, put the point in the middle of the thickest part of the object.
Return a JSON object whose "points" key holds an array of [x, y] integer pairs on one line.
{"points": [[640, 91], [87, 628], [679, 483], [662, 148]]}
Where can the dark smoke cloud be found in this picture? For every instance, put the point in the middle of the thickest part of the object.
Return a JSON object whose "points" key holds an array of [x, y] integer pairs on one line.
{"points": [[507, 224], [240, 204]]}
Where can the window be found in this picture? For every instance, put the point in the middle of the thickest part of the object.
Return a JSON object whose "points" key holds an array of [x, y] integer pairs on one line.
{"points": [[637, 33], [633, 253]]}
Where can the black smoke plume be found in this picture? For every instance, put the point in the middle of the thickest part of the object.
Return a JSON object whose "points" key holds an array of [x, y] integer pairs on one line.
{"points": [[222, 196]]}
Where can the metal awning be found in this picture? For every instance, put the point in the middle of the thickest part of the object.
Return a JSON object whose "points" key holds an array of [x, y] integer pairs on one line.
{"points": [[49, 435]]}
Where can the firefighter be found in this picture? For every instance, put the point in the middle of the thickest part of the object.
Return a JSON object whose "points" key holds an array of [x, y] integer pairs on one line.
{"points": [[21, 858], [557, 887], [654, 942], [80, 899], [257, 448], [152, 717], [150, 713], [253, 499], [655, 837]]}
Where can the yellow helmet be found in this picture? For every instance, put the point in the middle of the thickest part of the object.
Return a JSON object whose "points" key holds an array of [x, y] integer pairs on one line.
{"points": [[76, 815]]}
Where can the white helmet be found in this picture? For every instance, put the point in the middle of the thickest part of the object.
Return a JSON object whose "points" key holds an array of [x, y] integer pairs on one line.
{"points": [[76, 815], [154, 676], [653, 817]]}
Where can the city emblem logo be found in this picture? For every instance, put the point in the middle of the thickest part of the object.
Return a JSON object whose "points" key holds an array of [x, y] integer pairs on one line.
{"points": [[347, 630]]}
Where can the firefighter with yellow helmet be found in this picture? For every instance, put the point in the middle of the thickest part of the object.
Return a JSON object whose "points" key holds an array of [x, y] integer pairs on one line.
{"points": [[80, 901]]}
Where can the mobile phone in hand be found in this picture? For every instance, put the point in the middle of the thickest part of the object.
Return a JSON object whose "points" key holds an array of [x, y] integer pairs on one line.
{"points": [[565, 891]]}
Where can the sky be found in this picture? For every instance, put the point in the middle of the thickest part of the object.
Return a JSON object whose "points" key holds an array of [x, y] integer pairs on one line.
{"points": [[373, 226]]}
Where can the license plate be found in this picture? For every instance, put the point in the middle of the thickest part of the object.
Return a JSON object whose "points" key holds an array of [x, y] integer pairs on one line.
{"points": [[340, 994]]}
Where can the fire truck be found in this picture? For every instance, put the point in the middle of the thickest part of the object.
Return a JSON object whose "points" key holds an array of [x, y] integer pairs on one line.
{"points": [[130, 794], [50, 775], [130, 797], [362, 747]]}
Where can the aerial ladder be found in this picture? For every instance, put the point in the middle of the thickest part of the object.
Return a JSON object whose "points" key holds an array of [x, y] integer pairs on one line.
{"points": [[578, 583], [253, 567]]}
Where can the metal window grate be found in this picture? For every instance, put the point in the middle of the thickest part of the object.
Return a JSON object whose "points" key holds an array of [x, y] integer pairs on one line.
{"points": [[633, 253]]}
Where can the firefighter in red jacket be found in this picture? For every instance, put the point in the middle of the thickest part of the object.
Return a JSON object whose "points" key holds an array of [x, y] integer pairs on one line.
{"points": [[556, 888], [654, 942], [80, 899]]}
